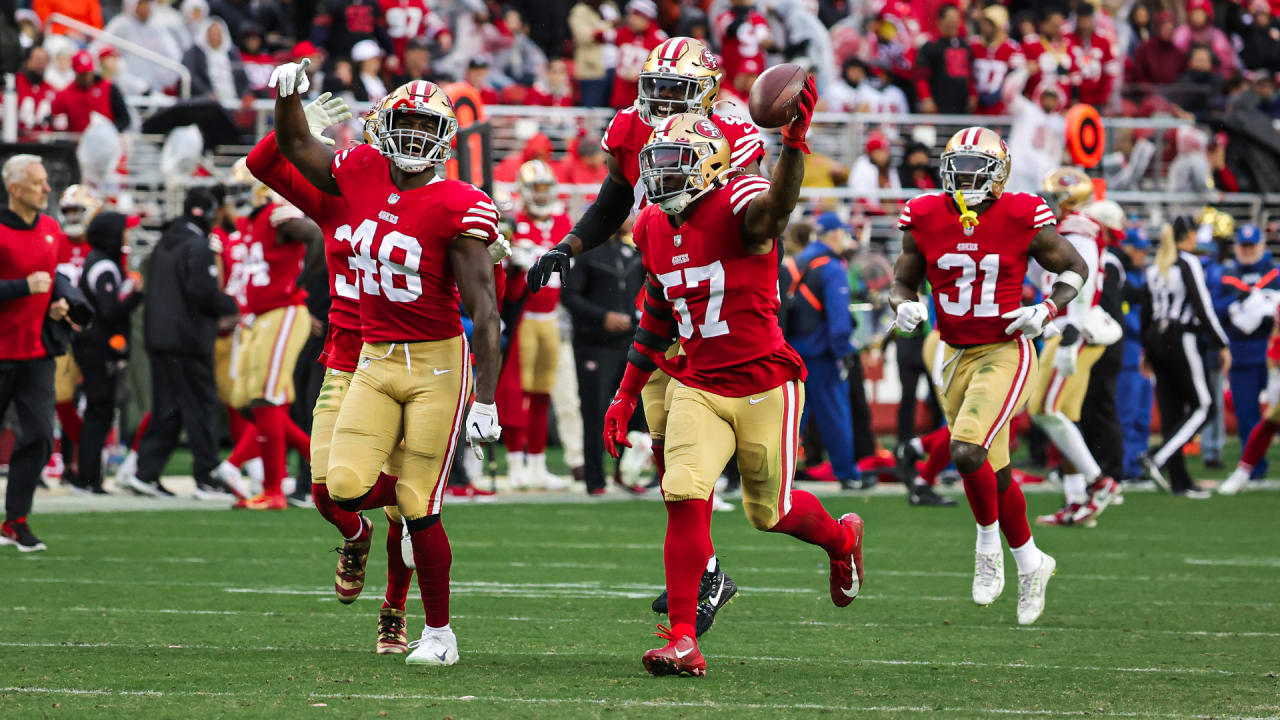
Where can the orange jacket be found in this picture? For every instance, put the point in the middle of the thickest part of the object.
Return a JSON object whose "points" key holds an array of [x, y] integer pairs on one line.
{"points": [[86, 11]]}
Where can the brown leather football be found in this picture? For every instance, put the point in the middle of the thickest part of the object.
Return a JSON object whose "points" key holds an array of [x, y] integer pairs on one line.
{"points": [[776, 94]]}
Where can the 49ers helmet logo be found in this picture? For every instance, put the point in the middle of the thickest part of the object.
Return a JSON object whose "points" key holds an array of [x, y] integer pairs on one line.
{"points": [[709, 60], [708, 129]]}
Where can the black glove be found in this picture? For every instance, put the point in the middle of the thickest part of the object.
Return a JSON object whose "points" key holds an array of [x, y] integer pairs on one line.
{"points": [[555, 260]]}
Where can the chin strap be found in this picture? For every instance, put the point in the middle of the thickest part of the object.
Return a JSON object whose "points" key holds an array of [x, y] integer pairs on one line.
{"points": [[968, 218]]}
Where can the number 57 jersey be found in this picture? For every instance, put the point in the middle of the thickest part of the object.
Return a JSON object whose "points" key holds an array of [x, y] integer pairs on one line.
{"points": [[976, 274], [724, 300], [400, 245]]}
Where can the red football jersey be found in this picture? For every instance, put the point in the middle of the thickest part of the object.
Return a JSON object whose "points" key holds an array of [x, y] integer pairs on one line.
{"points": [[990, 68], [35, 105], [1049, 61], [1095, 69], [628, 133], [71, 256], [271, 268], [401, 240], [633, 50], [543, 235], [744, 51], [725, 301], [993, 257], [408, 19], [235, 250]]}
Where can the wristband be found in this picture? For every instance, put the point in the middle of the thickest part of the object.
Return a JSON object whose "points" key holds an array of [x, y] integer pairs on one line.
{"points": [[1053, 308]]}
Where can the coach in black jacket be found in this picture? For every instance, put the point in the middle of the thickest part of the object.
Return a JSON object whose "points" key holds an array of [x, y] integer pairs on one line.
{"points": [[182, 311]]}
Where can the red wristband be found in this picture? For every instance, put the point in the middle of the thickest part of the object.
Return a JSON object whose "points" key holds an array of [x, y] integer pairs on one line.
{"points": [[1053, 308]]}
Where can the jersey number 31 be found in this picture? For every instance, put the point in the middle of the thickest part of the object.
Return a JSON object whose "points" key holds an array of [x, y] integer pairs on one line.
{"points": [[962, 302]]}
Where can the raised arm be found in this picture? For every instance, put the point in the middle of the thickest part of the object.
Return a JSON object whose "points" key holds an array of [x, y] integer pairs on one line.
{"points": [[767, 215], [311, 157], [598, 223]]}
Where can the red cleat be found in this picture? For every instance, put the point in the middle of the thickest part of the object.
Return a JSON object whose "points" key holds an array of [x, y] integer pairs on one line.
{"points": [[680, 656], [353, 556], [846, 570], [262, 502]]}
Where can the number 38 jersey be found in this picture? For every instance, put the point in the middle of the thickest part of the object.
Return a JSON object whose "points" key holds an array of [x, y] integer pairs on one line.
{"points": [[976, 277], [724, 300], [400, 242]]}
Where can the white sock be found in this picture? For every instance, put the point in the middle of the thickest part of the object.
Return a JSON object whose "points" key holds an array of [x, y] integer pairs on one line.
{"points": [[1067, 437], [1075, 488], [989, 538], [445, 628], [712, 564], [1028, 557], [917, 446]]}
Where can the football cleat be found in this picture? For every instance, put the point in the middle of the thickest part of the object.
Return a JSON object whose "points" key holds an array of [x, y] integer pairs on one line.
{"points": [[846, 570], [1234, 483], [680, 656], [711, 580], [18, 534], [988, 577], [437, 646], [392, 638], [1065, 516], [1152, 471], [723, 588], [1195, 492], [262, 501], [211, 491], [922, 493], [1031, 590], [718, 505], [352, 558], [230, 476], [128, 468], [1101, 493]]}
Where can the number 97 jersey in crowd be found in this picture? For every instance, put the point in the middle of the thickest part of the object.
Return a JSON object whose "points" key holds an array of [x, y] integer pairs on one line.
{"points": [[976, 273], [400, 241]]}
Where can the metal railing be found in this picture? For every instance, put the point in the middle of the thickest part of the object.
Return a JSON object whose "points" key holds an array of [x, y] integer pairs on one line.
{"points": [[184, 75]]}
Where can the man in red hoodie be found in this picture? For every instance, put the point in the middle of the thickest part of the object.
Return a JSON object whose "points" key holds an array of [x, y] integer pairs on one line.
{"points": [[75, 104]]}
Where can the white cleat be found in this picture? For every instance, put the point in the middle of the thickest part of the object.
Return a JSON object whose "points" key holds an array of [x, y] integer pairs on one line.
{"points": [[517, 473], [230, 476], [437, 646], [1031, 590], [539, 477], [988, 576], [406, 549], [1234, 483], [137, 487], [256, 472], [128, 468], [718, 505]]}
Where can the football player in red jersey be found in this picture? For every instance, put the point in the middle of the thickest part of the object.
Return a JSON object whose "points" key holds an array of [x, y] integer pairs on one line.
{"points": [[422, 241], [973, 243], [681, 76], [708, 240], [995, 56]]}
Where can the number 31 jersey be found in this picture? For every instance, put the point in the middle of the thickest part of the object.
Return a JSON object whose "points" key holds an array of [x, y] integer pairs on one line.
{"points": [[725, 301], [400, 241], [976, 276]]}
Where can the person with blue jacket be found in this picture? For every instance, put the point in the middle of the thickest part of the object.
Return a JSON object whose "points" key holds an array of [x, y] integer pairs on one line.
{"points": [[1134, 393], [1247, 313], [820, 328], [1214, 432]]}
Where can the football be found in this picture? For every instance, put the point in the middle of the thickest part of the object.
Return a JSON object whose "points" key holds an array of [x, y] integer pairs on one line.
{"points": [[775, 93]]}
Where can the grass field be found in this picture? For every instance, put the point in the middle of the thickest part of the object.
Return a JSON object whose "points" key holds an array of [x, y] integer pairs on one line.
{"points": [[1169, 608]]}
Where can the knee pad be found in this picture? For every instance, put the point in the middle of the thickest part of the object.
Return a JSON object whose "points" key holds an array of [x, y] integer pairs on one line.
{"points": [[412, 501], [681, 483], [762, 517], [346, 487]]}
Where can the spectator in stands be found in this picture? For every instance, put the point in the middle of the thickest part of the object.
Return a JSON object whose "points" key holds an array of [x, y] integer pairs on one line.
{"points": [[367, 59], [416, 64], [1260, 40], [410, 20], [278, 21], [1190, 171], [88, 12], [133, 25], [537, 147], [914, 172], [995, 56], [164, 15], [808, 42], [744, 36], [234, 12], [1200, 30], [35, 96], [1199, 87], [634, 40], [524, 62], [944, 84], [556, 90], [340, 24], [1136, 31], [216, 69], [584, 164], [1038, 134], [872, 173], [112, 70], [1157, 60], [258, 63], [860, 92], [1049, 56], [61, 49], [195, 12], [478, 77], [1224, 178], [75, 104], [1096, 67], [591, 22], [29, 27]]}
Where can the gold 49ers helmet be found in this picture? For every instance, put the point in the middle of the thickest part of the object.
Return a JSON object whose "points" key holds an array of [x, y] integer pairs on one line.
{"points": [[976, 164], [259, 193], [1068, 188], [681, 76], [416, 125], [537, 188], [370, 118], [78, 205], [685, 157]]}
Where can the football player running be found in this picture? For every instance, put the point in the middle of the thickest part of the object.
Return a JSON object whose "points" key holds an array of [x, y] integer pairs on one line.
{"points": [[681, 75], [419, 242], [973, 243], [708, 240]]}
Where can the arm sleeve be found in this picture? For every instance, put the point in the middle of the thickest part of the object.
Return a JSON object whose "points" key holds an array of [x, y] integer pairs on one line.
{"points": [[656, 330], [202, 282], [119, 109], [604, 216], [1198, 296], [13, 289], [1112, 287]]}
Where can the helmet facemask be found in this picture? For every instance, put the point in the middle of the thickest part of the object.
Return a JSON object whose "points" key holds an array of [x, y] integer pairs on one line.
{"points": [[539, 199], [673, 172], [74, 220], [415, 138], [662, 95], [975, 175]]}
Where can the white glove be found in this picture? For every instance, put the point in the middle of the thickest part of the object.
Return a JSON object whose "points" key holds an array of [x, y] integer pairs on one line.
{"points": [[323, 113], [482, 427], [499, 249], [284, 213], [910, 315], [1064, 360], [290, 78], [1029, 319]]}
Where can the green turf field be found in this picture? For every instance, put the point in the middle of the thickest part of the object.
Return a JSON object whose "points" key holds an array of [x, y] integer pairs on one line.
{"points": [[1169, 608]]}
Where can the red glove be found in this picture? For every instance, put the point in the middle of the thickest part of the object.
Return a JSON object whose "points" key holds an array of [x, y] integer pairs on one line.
{"points": [[793, 133], [616, 420]]}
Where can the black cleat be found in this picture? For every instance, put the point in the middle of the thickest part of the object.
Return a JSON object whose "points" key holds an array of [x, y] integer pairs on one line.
{"points": [[18, 534], [723, 590], [924, 494], [711, 580], [905, 467]]}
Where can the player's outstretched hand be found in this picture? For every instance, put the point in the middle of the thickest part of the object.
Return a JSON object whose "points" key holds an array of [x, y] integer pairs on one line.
{"points": [[290, 78], [323, 113], [616, 420], [482, 427], [910, 315], [1029, 319], [794, 132], [555, 260]]}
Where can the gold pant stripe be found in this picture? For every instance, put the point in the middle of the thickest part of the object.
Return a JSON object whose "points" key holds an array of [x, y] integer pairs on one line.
{"points": [[271, 390], [790, 438], [1025, 358], [464, 393]]}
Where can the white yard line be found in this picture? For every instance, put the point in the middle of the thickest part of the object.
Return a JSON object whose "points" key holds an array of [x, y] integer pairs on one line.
{"points": [[1267, 562]]}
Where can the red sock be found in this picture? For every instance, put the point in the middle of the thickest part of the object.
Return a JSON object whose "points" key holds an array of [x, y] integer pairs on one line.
{"points": [[70, 421], [433, 556], [514, 440], [399, 575], [659, 456], [980, 490], [685, 554], [536, 433], [941, 435], [1013, 516], [248, 447], [297, 439], [143, 424], [1259, 440], [382, 494], [810, 522], [270, 420], [237, 424], [347, 522], [938, 446]]}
